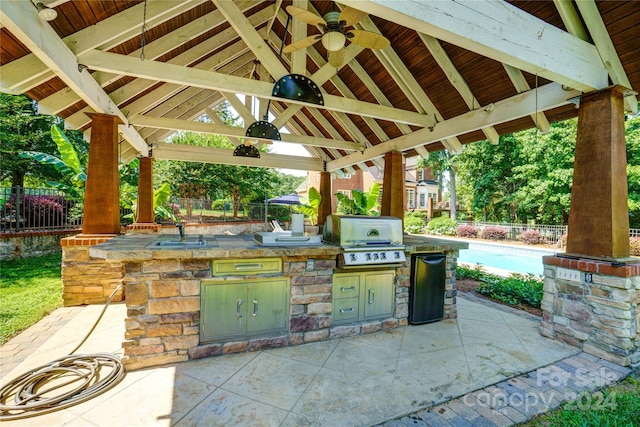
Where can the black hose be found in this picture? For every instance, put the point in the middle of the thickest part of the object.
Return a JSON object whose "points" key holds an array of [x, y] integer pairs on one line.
{"points": [[62, 383]]}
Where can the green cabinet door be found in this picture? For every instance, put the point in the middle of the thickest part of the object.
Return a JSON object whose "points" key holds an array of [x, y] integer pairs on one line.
{"points": [[267, 306], [223, 308], [378, 294]]}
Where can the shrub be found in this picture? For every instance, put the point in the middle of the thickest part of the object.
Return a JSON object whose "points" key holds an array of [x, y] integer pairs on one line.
{"points": [[38, 211], [513, 290], [532, 237], [442, 226], [634, 243], [494, 233], [468, 231], [414, 223], [475, 273]]}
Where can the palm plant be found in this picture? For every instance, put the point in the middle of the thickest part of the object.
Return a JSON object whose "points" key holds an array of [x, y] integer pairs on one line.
{"points": [[309, 206], [360, 203]]}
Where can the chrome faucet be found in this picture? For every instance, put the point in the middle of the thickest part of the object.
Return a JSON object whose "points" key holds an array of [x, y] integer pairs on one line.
{"points": [[180, 230]]}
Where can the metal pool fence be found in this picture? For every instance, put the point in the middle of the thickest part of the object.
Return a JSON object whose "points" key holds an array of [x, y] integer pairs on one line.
{"points": [[28, 209]]}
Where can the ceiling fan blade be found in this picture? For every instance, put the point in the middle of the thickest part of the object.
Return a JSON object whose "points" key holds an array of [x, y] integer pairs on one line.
{"points": [[368, 39], [302, 43], [336, 58], [351, 16], [306, 16]]}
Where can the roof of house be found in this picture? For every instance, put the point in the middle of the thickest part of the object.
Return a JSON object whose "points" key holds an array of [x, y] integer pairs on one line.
{"points": [[454, 73]]}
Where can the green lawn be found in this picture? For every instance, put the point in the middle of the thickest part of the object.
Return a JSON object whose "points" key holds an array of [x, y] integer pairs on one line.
{"points": [[29, 289], [615, 406]]}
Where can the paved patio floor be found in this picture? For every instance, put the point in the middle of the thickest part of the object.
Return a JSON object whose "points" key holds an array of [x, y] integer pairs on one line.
{"points": [[356, 381]]}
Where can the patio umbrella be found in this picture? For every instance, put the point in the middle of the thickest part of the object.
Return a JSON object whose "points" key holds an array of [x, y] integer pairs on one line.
{"points": [[287, 199]]}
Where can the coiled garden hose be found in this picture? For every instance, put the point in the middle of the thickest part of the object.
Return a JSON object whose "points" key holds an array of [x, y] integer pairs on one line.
{"points": [[62, 383]]}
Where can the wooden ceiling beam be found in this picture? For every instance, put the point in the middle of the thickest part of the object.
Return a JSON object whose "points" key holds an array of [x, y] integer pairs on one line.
{"points": [[29, 71], [501, 31], [189, 153], [190, 126], [520, 83], [549, 96], [155, 97], [607, 51], [409, 85], [457, 81], [61, 100], [21, 18], [162, 71]]}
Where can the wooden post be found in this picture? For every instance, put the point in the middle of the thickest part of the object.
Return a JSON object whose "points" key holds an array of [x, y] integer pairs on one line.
{"points": [[393, 185], [599, 216], [145, 212], [325, 192], [101, 201]]}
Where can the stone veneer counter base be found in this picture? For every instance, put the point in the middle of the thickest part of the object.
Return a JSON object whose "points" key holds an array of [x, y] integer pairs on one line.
{"points": [[163, 293]]}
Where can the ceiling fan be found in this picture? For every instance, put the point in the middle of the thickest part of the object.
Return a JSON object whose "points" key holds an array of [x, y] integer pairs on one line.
{"points": [[334, 34]]}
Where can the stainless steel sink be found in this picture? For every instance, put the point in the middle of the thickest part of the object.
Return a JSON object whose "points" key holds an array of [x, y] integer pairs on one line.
{"points": [[179, 244]]}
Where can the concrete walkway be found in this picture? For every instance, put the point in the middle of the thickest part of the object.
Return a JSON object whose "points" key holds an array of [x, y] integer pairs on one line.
{"points": [[488, 367]]}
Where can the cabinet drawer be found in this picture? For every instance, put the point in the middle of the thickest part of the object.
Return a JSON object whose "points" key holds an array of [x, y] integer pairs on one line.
{"points": [[346, 286], [226, 267], [345, 309]]}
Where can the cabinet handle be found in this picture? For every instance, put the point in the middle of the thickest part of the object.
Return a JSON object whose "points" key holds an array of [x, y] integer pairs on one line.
{"points": [[255, 266], [255, 308], [350, 288], [347, 310], [372, 296], [239, 303]]}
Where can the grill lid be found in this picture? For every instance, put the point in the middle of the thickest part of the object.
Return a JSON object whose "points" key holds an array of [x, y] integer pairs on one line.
{"points": [[359, 231]]}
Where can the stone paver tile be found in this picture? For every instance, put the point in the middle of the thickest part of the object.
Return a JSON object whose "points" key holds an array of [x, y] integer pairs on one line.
{"points": [[460, 422], [513, 414], [483, 422], [494, 416], [432, 418], [465, 407], [445, 411]]}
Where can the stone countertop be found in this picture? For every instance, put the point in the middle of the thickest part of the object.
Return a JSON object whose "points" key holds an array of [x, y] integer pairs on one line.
{"points": [[138, 247], [416, 244]]}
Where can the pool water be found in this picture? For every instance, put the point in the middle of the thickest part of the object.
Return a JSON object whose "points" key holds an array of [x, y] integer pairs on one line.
{"points": [[502, 258]]}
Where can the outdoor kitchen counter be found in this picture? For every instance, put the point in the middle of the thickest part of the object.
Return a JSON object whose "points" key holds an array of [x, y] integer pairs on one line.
{"points": [[138, 247], [418, 244]]}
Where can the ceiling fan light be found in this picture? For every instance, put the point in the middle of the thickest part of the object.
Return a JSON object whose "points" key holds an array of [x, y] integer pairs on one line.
{"points": [[45, 12], [333, 41]]}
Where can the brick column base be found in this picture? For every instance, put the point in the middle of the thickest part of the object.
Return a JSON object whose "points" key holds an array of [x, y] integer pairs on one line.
{"points": [[86, 280], [143, 228], [593, 305]]}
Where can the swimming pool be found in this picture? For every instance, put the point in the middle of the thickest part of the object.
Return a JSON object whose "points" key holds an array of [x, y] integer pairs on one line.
{"points": [[519, 260]]}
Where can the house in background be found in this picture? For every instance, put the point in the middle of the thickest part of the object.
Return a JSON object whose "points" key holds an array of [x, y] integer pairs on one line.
{"points": [[420, 185]]}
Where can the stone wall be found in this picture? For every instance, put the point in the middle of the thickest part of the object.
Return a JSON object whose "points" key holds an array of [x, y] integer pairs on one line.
{"points": [[31, 244], [593, 305], [88, 280]]}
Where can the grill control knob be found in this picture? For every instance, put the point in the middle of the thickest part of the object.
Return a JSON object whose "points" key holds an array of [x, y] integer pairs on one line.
{"points": [[368, 256], [396, 255], [383, 256], [375, 256], [352, 257]]}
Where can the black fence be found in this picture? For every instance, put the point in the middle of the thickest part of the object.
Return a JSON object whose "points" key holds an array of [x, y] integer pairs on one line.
{"points": [[29, 209]]}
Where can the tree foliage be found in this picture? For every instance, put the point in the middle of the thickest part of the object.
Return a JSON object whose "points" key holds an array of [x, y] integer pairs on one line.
{"points": [[23, 129], [360, 203]]}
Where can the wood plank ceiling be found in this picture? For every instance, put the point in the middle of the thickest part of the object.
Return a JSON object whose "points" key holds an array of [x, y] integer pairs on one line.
{"points": [[455, 72]]}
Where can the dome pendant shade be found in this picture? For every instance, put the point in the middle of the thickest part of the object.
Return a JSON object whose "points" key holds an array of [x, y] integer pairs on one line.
{"points": [[263, 129], [298, 88], [249, 150], [333, 41]]}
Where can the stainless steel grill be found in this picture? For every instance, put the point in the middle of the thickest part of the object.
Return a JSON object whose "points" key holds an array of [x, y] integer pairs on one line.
{"points": [[366, 240]]}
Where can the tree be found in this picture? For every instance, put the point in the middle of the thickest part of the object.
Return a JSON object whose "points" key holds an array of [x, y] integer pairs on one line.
{"points": [[23, 129], [632, 126], [360, 203], [242, 184], [70, 164], [442, 163]]}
